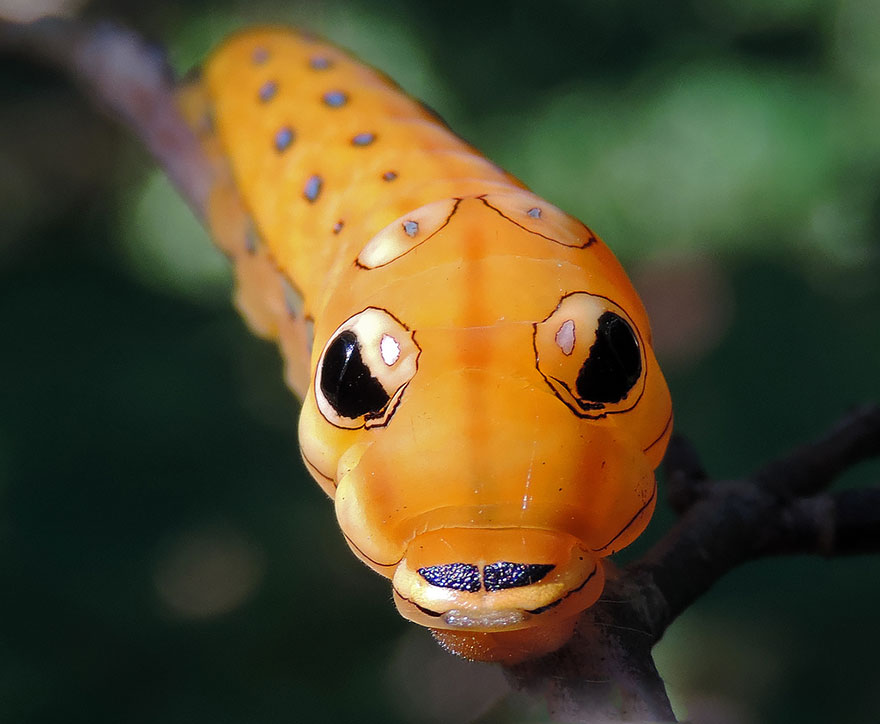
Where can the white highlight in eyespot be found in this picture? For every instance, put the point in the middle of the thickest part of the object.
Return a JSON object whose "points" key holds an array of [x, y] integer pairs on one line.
{"points": [[565, 337], [390, 349]]}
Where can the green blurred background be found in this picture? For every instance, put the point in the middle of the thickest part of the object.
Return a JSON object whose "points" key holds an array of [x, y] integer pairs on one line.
{"points": [[164, 556]]}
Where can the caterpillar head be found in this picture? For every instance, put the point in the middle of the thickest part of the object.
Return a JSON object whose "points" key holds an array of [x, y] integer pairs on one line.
{"points": [[489, 425]]}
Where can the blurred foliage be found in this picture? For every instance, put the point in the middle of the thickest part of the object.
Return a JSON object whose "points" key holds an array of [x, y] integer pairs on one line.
{"points": [[165, 556]]}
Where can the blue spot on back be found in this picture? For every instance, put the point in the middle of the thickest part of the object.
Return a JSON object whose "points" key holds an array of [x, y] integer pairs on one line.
{"points": [[411, 228], [535, 212], [268, 90], [313, 188], [283, 138], [363, 139], [335, 99], [320, 62]]}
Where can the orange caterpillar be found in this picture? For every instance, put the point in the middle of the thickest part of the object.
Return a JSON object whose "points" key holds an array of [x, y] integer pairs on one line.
{"points": [[480, 396]]}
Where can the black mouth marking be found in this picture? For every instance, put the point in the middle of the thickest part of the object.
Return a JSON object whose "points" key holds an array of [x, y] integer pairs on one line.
{"points": [[503, 575], [535, 611], [498, 576], [457, 576]]}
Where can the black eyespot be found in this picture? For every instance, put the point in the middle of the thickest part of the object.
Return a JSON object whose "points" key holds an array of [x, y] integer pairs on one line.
{"points": [[614, 364], [346, 381]]}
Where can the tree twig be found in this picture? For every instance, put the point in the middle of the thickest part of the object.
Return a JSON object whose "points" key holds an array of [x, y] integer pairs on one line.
{"points": [[129, 78]]}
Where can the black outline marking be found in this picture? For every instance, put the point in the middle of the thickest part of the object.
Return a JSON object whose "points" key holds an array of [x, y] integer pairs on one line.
{"points": [[662, 433], [371, 560], [383, 416], [632, 520], [426, 611], [440, 228], [581, 413], [312, 468], [552, 604], [592, 240]]}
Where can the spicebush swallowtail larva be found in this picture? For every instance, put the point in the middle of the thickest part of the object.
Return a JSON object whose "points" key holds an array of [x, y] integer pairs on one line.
{"points": [[480, 395]]}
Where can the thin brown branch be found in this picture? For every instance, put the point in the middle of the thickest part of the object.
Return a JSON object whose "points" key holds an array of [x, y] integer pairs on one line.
{"points": [[737, 521], [834, 524], [685, 475], [130, 79], [813, 467]]}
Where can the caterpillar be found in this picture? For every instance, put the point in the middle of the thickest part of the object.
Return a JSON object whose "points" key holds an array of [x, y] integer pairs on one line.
{"points": [[480, 397]]}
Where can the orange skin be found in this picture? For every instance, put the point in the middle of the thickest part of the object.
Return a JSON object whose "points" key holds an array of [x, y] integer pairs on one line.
{"points": [[472, 305]]}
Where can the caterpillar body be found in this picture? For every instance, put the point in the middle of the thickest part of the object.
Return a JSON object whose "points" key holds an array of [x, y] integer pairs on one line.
{"points": [[479, 392]]}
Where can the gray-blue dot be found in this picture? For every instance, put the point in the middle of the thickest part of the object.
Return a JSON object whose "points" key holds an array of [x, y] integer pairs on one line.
{"points": [[363, 139], [293, 300], [313, 188], [389, 175], [283, 138], [250, 240], [320, 62], [260, 55], [335, 99], [411, 228], [535, 212], [337, 227], [268, 90]]}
